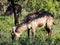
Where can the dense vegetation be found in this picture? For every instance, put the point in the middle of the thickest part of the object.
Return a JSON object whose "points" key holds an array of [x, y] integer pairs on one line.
{"points": [[7, 22], [38, 5]]}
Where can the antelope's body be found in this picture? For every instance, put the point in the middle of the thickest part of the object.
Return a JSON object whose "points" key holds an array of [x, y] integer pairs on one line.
{"points": [[33, 21]]}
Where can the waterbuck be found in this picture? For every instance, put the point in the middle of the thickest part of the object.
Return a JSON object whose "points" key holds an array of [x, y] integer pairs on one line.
{"points": [[33, 21], [13, 8], [16, 9]]}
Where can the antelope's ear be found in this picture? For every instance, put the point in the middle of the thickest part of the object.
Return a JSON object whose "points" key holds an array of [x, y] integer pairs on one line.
{"points": [[13, 29]]}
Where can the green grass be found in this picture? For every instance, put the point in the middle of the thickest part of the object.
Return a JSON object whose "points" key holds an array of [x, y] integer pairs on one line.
{"points": [[6, 24]]}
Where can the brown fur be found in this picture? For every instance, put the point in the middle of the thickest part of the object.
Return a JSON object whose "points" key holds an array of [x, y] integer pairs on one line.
{"points": [[33, 21]]}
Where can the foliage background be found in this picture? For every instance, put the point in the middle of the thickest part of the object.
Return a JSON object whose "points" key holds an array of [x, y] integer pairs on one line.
{"points": [[30, 6]]}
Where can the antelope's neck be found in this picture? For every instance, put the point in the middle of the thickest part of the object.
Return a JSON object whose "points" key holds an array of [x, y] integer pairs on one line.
{"points": [[22, 28]]}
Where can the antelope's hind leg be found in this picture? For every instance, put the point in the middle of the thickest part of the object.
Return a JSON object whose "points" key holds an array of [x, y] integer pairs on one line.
{"points": [[49, 30], [49, 24]]}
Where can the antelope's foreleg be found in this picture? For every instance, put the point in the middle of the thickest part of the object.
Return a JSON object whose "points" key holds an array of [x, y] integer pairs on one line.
{"points": [[28, 32], [33, 33]]}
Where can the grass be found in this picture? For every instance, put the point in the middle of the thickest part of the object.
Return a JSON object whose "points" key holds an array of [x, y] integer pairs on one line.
{"points": [[6, 24]]}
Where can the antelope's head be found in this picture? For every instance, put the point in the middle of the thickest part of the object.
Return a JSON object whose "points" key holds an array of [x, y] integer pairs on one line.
{"points": [[15, 35]]}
